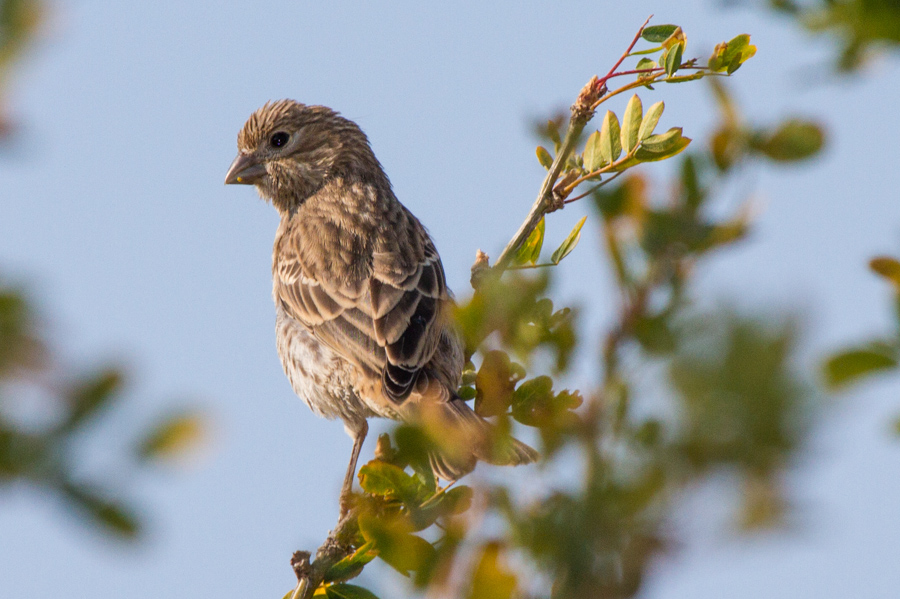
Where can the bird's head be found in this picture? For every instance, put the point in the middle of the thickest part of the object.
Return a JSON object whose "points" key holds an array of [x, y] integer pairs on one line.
{"points": [[288, 150]]}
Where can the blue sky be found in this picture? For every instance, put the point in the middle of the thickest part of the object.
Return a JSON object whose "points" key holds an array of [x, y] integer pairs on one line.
{"points": [[115, 215]]}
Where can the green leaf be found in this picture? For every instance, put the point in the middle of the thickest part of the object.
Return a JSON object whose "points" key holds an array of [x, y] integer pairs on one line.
{"points": [[655, 334], [530, 251], [645, 64], [89, 397], [887, 267], [544, 157], [794, 140], [353, 564], [172, 436], [553, 132], [660, 147], [663, 142], [388, 480], [593, 158], [466, 393], [457, 500], [348, 591], [658, 33], [651, 118], [530, 400], [631, 123], [729, 56], [401, 550], [850, 366], [114, 516], [670, 59], [492, 579], [569, 243], [610, 143]]}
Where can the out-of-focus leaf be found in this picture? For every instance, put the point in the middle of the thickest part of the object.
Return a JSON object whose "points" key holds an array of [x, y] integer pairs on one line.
{"points": [[654, 334], [792, 141], [353, 564], [348, 591], [763, 504], [494, 384], [887, 267], [173, 436], [610, 138], [492, 579], [530, 251], [90, 396], [631, 123], [593, 156], [388, 480], [530, 399], [728, 146], [467, 393], [569, 243], [650, 120], [850, 366], [395, 544], [458, 499], [544, 157], [694, 194], [658, 33], [553, 131], [114, 516]]}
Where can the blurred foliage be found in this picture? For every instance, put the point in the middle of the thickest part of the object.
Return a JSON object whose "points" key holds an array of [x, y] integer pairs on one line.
{"points": [[861, 27], [46, 455], [19, 24]]}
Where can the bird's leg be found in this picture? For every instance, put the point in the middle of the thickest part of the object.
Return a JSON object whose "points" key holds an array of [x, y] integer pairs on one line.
{"points": [[359, 435]]}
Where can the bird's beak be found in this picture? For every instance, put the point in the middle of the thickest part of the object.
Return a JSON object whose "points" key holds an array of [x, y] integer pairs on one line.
{"points": [[245, 169]]}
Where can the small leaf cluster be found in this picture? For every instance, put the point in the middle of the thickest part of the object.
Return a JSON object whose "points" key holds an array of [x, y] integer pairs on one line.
{"points": [[513, 311], [621, 144]]}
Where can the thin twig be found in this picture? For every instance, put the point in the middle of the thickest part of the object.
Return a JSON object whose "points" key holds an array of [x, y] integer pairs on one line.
{"points": [[594, 188]]}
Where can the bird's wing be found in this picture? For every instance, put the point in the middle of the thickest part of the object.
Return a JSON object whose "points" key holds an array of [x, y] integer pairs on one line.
{"points": [[382, 310]]}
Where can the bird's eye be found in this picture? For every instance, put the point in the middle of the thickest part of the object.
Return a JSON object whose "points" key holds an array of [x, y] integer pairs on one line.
{"points": [[278, 139]]}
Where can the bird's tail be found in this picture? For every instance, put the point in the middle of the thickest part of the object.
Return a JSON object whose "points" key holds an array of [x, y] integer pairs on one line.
{"points": [[475, 440]]}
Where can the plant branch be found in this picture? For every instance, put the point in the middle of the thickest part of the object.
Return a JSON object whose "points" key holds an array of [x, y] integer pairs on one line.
{"points": [[582, 111], [336, 547]]}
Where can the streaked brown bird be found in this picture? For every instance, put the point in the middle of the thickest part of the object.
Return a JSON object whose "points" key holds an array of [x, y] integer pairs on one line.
{"points": [[361, 303]]}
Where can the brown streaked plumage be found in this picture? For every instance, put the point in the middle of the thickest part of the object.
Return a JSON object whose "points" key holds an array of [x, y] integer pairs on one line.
{"points": [[360, 295]]}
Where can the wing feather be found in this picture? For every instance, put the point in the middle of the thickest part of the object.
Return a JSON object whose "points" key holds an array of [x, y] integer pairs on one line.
{"points": [[383, 313]]}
